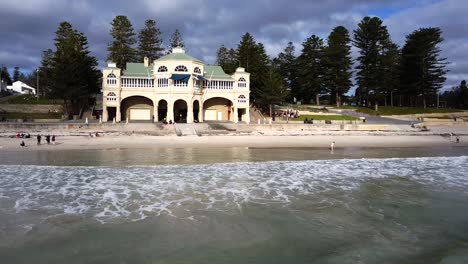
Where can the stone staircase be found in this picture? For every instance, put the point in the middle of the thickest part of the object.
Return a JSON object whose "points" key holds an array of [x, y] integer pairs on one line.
{"points": [[255, 115], [185, 130]]}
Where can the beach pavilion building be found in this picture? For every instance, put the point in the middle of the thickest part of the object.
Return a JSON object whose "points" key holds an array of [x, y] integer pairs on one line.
{"points": [[175, 87]]}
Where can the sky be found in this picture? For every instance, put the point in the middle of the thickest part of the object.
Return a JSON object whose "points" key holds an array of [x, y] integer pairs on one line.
{"points": [[27, 27]]}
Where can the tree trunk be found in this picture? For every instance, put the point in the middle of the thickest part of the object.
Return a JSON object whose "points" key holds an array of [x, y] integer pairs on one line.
{"points": [[424, 102], [317, 99], [270, 111], [338, 99]]}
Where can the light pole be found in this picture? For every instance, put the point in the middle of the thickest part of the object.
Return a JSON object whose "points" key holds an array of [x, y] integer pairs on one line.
{"points": [[37, 85]]}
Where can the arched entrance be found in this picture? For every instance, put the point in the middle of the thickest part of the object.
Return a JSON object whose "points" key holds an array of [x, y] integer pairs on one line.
{"points": [[162, 110], [137, 108], [180, 111], [196, 111], [217, 109]]}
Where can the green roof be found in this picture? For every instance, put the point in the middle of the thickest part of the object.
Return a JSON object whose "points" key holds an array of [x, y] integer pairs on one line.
{"points": [[178, 56], [138, 69], [215, 72]]}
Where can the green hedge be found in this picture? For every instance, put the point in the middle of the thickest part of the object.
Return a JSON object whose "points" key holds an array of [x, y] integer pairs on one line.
{"points": [[31, 99], [387, 110], [30, 116], [325, 117]]}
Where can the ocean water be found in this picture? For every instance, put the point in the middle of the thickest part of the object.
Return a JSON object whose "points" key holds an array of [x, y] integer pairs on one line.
{"points": [[349, 210]]}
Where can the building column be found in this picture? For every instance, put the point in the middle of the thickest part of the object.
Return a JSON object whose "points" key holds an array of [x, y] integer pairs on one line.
{"points": [[155, 113], [105, 114], [234, 113], [247, 114], [200, 112], [170, 111], [118, 115], [190, 113]]}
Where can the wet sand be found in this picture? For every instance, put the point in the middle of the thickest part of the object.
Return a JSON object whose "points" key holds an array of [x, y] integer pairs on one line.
{"points": [[258, 141]]}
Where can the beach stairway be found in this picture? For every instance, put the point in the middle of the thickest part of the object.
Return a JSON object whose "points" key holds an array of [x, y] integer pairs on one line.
{"points": [[88, 114], [185, 130], [255, 115]]}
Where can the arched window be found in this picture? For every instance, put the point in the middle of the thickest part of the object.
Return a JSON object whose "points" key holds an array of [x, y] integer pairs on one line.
{"points": [[162, 69], [197, 70], [111, 96], [111, 79], [242, 83], [181, 68], [241, 99]]}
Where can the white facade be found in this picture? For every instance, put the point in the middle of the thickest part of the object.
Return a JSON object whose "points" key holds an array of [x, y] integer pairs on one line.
{"points": [[176, 87], [21, 87]]}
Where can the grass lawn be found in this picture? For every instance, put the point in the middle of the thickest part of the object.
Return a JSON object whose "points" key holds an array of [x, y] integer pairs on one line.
{"points": [[30, 116], [325, 117], [31, 99], [387, 110]]}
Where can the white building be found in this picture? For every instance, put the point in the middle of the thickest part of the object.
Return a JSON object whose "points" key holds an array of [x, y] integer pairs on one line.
{"points": [[21, 87], [175, 87]]}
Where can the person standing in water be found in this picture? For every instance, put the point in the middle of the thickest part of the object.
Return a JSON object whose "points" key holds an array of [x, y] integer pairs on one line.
{"points": [[332, 146], [53, 139], [38, 139]]}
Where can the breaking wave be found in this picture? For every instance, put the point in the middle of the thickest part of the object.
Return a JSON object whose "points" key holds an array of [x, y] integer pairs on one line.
{"points": [[110, 194]]}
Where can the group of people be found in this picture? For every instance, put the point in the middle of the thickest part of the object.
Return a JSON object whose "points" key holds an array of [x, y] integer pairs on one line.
{"points": [[289, 114], [307, 121], [164, 121], [23, 135], [452, 136], [48, 138]]}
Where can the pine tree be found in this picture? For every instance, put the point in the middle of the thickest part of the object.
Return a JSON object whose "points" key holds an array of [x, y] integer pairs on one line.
{"points": [[273, 90], [390, 75], [227, 59], [422, 69], [121, 48], [252, 56], [287, 66], [369, 38], [310, 69], [16, 74], [337, 63], [176, 41], [5, 75], [74, 77], [463, 91], [45, 72], [150, 41]]}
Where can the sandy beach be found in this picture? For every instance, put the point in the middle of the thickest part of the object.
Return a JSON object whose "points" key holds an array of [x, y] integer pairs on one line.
{"points": [[364, 140]]}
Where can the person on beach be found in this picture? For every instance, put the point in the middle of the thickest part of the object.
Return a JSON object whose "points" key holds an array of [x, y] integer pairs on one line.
{"points": [[22, 144], [47, 138], [332, 146], [457, 139], [451, 136], [38, 139], [53, 139]]}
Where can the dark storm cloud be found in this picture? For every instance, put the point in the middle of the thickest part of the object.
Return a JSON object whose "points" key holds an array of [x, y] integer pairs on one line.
{"points": [[27, 27]]}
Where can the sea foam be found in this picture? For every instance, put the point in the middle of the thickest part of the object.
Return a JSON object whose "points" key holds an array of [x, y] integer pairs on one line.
{"points": [[110, 194]]}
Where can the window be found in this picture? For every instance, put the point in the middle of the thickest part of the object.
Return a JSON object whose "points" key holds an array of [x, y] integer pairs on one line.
{"points": [[111, 96], [162, 69], [242, 83], [181, 68], [241, 99], [111, 79], [197, 70]]}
